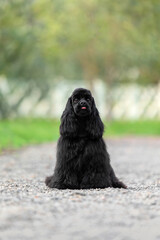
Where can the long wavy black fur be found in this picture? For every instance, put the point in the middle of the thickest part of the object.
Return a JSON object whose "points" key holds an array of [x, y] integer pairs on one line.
{"points": [[82, 158]]}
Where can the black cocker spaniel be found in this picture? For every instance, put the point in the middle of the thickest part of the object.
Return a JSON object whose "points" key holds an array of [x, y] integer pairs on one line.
{"points": [[82, 158]]}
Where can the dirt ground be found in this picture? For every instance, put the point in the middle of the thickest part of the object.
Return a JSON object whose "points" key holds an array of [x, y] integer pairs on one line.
{"points": [[30, 210]]}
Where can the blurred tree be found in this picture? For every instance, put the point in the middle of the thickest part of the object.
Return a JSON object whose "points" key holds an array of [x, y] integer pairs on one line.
{"points": [[117, 41], [22, 59], [145, 17]]}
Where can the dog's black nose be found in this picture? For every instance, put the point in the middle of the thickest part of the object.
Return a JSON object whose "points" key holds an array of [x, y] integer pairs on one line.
{"points": [[83, 103]]}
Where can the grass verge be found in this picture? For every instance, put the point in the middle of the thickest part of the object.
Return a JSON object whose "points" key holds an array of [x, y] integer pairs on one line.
{"points": [[16, 133], [138, 128]]}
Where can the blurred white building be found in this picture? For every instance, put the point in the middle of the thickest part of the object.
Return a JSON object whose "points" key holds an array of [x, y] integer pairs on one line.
{"points": [[129, 101]]}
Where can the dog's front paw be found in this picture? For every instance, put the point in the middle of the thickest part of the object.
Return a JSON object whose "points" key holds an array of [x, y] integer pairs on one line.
{"points": [[50, 182]]}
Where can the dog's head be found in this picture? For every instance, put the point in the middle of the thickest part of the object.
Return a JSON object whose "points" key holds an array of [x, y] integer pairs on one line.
{"points": [[81, 107], [82, 102]]}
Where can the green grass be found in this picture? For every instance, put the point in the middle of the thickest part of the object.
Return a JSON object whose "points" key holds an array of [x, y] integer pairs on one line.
{"points": [[21, 132], [138, 128], [16, 133]]}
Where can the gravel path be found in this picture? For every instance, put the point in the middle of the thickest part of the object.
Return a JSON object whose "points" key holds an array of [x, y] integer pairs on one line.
{"points": [[31, 211]]}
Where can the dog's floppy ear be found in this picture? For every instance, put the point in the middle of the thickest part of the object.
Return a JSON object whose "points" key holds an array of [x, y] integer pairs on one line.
{"points": [[95, 125], [68, 127]]}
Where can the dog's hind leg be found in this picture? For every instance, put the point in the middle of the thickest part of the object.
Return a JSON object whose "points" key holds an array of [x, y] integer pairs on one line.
{"points": [[48, 180], [116, 183]]}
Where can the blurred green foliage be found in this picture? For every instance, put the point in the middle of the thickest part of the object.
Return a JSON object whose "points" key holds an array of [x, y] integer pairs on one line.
{"points": [[16, 133], [45, 39]]}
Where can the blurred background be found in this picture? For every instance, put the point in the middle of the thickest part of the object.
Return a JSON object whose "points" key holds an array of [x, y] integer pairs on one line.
{"points": [[50, 47]]}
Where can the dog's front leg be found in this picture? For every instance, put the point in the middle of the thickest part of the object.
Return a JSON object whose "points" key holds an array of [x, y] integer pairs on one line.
{"points": [[95, 179]]}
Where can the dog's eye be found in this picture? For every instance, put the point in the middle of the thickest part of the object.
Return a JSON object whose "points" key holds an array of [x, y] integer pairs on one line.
{"points": [[75, 100], [88, 99]]}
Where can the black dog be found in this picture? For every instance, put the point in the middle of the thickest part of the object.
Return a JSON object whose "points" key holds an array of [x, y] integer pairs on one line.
{"points": [[82, 159]]}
